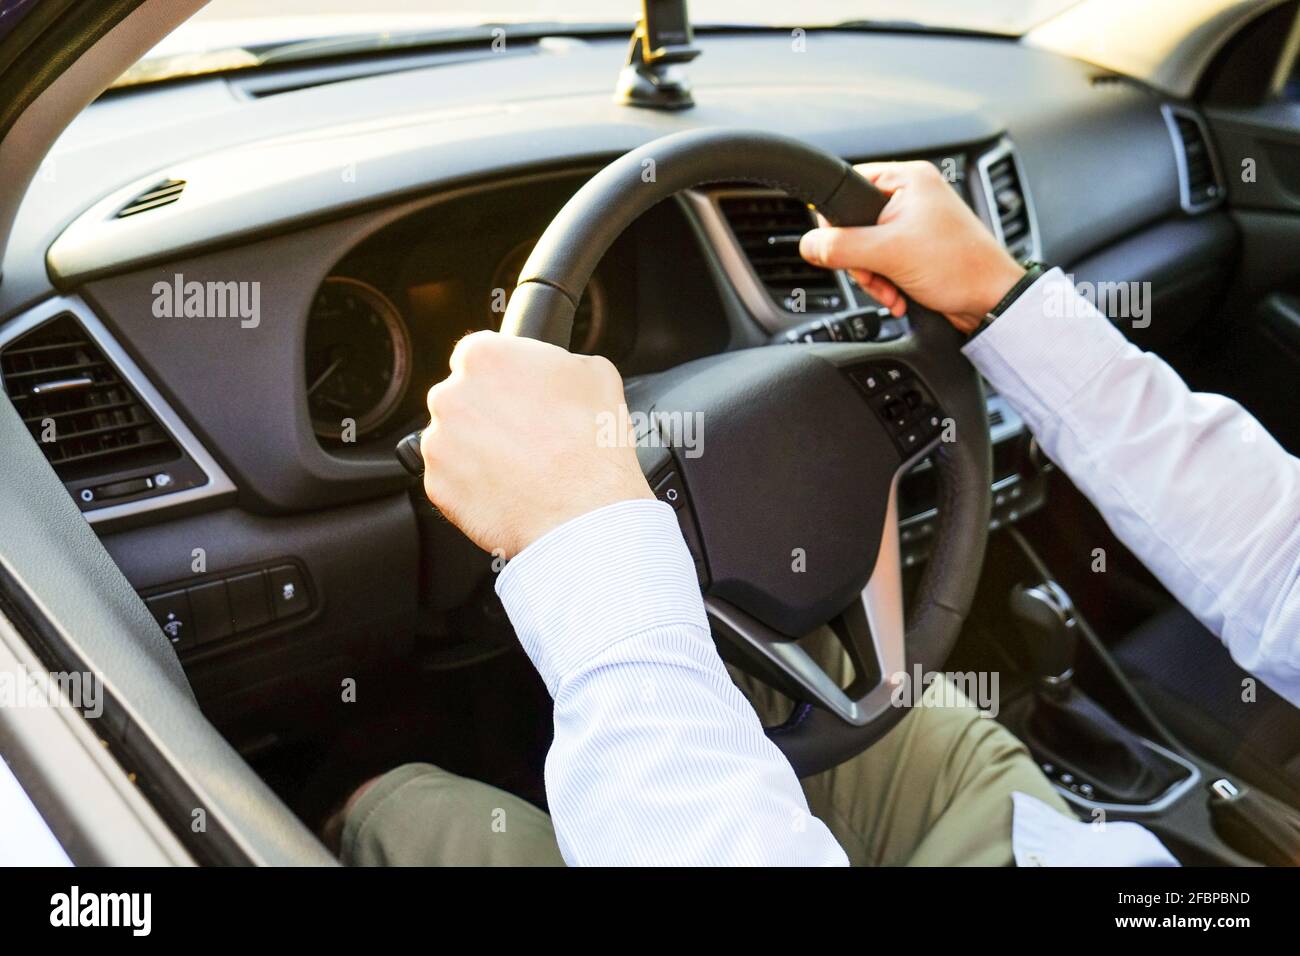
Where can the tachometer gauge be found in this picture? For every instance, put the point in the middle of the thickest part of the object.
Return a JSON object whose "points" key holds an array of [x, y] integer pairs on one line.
{"points": [[358, 358], [588, 321]]}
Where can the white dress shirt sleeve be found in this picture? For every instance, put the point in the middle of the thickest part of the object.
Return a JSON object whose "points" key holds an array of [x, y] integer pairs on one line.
{"points": [[658, 758], [1042, 836], [1190, 482]]}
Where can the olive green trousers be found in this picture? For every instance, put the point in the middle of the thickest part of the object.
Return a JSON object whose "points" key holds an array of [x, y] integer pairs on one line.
{"points": [[934, 791]]}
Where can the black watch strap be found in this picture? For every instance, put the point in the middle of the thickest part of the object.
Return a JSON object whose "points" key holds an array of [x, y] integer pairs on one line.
{"points": [[1033, 272]]}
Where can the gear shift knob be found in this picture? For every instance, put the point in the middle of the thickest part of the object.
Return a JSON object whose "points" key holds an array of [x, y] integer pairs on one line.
{"points": [[1045, 617]]}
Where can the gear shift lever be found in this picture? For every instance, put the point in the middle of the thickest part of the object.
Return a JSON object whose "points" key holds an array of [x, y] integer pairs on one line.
{"points": [[1090, 752], [1045, 617]]}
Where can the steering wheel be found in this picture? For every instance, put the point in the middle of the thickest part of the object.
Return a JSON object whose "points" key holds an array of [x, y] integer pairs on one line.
{"points": [[789, 503]]}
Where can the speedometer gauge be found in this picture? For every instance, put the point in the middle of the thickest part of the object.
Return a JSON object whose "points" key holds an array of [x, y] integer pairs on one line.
{"points": [[358, 358]]}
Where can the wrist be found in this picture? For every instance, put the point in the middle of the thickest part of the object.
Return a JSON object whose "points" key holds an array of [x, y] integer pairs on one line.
{"points": [[1000, 280], [994, 282], [579, 589], [542, 521]]}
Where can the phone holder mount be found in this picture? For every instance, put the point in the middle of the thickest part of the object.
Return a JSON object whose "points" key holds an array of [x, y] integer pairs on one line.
{"points": [[651, 79]]}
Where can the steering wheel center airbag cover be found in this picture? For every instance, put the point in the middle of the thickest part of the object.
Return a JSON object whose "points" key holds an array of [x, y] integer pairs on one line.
{"points": [[790, 483]]}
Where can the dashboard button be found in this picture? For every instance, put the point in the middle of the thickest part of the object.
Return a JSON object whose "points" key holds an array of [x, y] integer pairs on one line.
{"points": [[121, 489], [288, 595], [211, 607], [172, 612], [248, 601]]}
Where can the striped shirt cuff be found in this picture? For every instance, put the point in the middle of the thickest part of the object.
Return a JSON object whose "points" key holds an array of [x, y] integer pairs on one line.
{"points": [[597, 579], [1046, 346]]}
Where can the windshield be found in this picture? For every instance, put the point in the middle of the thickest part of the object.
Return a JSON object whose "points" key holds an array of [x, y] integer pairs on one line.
{"points": [[228, 34]]}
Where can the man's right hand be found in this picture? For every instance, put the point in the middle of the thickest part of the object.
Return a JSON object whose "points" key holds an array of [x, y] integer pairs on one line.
{"points": [[522, 437], [927, 243]]}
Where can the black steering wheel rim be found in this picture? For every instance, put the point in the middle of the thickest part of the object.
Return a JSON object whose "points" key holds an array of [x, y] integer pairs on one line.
{"points": [[542, 307]]}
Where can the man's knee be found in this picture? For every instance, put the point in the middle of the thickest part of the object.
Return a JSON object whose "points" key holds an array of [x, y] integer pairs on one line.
{"points": [[421, 815]]}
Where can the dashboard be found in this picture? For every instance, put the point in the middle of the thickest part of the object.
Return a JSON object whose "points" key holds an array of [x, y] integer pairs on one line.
{"points": [[237, 463], [382, 326]]}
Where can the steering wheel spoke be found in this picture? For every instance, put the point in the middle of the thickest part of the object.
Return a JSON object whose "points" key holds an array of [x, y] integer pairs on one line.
{"points": [[870, 631]]}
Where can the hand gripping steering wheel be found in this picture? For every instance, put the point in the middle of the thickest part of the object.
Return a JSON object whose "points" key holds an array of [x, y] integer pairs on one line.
{"points": [[803, 451]]}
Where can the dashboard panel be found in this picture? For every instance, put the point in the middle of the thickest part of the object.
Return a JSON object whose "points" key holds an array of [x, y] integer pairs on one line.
{"points": [[383, 218]]}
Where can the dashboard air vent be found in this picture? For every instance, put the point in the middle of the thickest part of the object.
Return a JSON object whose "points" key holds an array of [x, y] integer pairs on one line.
{"points": [[163, 194], [768, 227], [1198, 180], [1010, 206], [86, 419]]}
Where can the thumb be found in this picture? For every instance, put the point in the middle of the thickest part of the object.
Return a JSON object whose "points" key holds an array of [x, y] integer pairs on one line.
{"points": [[856, 247]]}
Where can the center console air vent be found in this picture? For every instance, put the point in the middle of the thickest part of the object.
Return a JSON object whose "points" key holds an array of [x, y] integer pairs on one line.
{"points": [[1199, 188], [768, 226], [163, 194], [1006, 195], [86, 419], [102, 426]]}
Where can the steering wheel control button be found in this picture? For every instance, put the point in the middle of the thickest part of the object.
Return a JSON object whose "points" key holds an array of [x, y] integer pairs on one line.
{"points": [[912, 439], [670, 490], [901, 402], [249, 602], [288, 593], [870, 380], [210, 604], [172, 612]]}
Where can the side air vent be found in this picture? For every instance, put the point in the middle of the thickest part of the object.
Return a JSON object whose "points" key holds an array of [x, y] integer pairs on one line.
{"points": [[86, 419], [768, 227], [1007, 198], [1199, 188], [163, 194]]}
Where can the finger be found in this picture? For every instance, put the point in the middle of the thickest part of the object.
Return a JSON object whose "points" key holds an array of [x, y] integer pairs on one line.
{"points": [[862, 277], [880, 289], [471, 348], [888, 295], [858, 247], [887, 177], [893, 300]]}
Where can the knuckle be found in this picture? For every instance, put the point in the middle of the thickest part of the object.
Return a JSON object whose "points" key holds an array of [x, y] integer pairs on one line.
{"points": [[429, 443], [604, 370], [441, 401], [475, 350]]}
